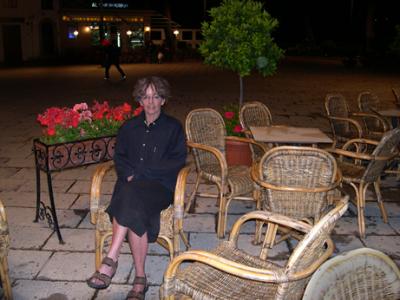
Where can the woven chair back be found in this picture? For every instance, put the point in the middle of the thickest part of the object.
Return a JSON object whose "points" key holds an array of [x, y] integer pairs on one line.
{"points": [[388, 146], [396, 93], [362, 273], [4, 234], [369, 103], [254, 114], [310, 249], [297, 167], [336, 106], [206, 126]]}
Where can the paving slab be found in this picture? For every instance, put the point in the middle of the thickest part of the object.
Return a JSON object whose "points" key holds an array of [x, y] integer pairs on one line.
{"points": [[26, 264], [51, 290]]}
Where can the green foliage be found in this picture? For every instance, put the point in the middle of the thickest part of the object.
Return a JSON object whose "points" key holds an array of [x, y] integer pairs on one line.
{"points": [[394, 47], [231, 119], [239, 38]]}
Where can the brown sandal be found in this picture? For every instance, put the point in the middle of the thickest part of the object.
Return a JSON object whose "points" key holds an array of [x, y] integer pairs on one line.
{"points": [[106, 279], [138, 295]]}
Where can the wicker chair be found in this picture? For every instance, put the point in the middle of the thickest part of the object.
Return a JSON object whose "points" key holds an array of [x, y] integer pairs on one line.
{"points": [[255, 114], [358, 274], [344, 124], [230, 273], [359, 170], [369, 103], [396, 94], [206, 134], [4, 245], [171, 225], [295, 182]]}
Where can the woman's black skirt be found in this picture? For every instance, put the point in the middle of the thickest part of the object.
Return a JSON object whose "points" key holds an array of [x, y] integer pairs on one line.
{"points": [[137, 205]]}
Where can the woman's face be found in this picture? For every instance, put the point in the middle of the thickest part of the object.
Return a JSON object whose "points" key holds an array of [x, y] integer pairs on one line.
{"points": [[152, 102]]}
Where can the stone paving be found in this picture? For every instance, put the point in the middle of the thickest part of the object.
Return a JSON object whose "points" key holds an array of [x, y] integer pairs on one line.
{"points": [[41, 268]]}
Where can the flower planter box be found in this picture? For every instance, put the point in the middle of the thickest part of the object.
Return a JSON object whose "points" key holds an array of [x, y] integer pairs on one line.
{"points": [[237, 153], [62, 156], [58, 157]]}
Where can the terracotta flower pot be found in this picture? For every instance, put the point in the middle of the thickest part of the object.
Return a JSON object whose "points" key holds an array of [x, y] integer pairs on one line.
{"points": [[237, 153]]}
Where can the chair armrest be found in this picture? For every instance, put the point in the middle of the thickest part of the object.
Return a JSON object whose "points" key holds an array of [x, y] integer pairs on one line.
{"points": [[179, 209], [381, 120], [218, 155], [352, 122], [362, 156], [95, 189], [256, 175]]}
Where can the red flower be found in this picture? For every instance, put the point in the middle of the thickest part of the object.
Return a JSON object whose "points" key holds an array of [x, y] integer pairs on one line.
{"points": [[229, 115], [51, 131], [127, 107], [138, 111], [237, 128]]}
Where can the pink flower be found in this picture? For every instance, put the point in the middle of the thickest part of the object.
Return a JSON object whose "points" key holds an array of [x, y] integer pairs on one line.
{"points": [[80, 107], [229, 115], [237, 128]]}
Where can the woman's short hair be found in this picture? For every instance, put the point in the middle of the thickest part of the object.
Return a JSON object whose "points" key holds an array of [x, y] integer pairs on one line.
{"points": [[160, 85]]}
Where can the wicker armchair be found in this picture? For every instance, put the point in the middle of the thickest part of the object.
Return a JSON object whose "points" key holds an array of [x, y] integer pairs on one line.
{"points": [[344, 124], [396, 94], [369, 103], [230, 273], [295, 182], [206, 135], [359, 170], [4, 245], [171, 225], [255, 114], [358, 274]]}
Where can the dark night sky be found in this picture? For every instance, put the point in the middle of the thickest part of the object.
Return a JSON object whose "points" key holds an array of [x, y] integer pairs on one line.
{"points": [[338, 20]]}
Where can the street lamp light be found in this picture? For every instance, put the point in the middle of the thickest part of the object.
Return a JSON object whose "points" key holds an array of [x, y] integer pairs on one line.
{"points": [[129, 33], [76, 32], [176, 32]]}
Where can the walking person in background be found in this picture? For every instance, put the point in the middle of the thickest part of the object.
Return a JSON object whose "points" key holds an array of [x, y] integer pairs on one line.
{"points": [[112, 54], [149, 153]]}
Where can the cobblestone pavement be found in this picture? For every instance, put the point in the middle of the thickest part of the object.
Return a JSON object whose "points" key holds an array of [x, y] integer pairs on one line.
{"points": [[41, 268]]}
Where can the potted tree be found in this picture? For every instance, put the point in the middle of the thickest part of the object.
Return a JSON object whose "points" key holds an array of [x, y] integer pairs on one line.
{"points": [[238, 38]]}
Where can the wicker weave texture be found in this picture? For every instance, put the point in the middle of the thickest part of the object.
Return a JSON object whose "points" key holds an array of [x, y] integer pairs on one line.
{"points": [[266, 280], [206, 126], [254, 114], [387, 147], [358, 274], [4, 246], [297, 167]]}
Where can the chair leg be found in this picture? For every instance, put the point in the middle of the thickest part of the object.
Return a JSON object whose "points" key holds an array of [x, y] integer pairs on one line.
{"points": [[361, 209], [381, 205], [259, 224], [269, 240], [221, 222], [5, 279], [190, 207]]}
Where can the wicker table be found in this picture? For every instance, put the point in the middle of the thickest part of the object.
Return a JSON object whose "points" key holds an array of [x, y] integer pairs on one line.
{"points": [[282, 134]]}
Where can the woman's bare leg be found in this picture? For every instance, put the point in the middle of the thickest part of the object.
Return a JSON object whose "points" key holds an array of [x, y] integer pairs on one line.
{"points": [[118, 237], [139, 246]]}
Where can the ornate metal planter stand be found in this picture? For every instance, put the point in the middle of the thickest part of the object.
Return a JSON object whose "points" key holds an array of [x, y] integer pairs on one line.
{"points": [[58, 157]]}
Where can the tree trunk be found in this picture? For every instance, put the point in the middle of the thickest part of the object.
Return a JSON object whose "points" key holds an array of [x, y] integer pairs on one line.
{"points": [[240, 91]]}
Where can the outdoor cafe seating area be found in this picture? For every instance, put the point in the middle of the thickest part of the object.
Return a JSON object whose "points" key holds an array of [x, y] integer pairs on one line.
{"points": [[300, 182]]}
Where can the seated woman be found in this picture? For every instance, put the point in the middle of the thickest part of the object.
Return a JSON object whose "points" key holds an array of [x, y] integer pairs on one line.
{"points": [[149, 153]]}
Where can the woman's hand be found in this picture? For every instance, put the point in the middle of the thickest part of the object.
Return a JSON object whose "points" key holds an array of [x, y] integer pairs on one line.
{"points": [[129, 178]]}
